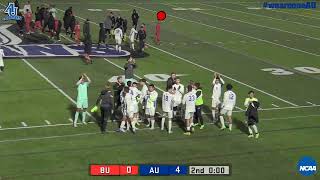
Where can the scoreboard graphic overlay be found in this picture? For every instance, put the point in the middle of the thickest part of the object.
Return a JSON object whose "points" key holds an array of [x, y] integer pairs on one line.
{"points": [[159, 170]]}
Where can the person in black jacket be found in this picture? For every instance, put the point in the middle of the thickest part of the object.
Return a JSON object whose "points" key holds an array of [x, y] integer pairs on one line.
{"points": [[105, 101], [72, 25], [253, 118], [21, 23], [102, 35], [142, 36], [171, 80], [117, 88], [135, 18], [51, 25]]}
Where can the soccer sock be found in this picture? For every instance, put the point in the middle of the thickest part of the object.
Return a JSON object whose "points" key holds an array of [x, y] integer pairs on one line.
{"points": [[162, 123], [170, 125], [250, 130], [133, 124], [255, 129], [152, 123], [222, 122], [128, 125], [84, 113], [117, 47], [132, 45], [174, 113], [230, 126], [214, 114], [76, 116], [148, 121], [123, 123], [188, 129]]}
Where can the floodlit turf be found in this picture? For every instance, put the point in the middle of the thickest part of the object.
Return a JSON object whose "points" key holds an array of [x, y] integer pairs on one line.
{"points": [[224, 37]]}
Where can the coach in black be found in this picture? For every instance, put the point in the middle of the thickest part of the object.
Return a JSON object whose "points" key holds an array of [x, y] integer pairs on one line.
{"points": [[105, 100], [142, 36], [117, 88]]}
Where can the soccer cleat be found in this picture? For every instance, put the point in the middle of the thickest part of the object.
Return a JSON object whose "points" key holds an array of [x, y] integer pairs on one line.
{"points": [[250, 136], [192, 129], [222, 128], [162, 129], [187, 133], [170, 132], [121, 130], [83, 122], [202, 126], [230, 129], [152, 128], [75, 125], [257, 135], [195, 124]]}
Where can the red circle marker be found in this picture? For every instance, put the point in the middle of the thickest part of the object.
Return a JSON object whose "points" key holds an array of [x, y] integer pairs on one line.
{"points": [[161, 15]]}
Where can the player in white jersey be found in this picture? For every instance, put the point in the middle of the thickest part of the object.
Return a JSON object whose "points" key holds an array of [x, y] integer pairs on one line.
{"points": [[126, 108], [135, 93], [216, 94], [167, 108], [132, 36], [179, 92], [1, 60], [118, 37], [144, 91], [189, 101], [151, 104], [229, 102]]}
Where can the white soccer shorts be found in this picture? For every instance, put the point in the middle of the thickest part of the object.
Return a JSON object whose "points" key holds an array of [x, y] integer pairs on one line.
{"points": [[227, 112]]}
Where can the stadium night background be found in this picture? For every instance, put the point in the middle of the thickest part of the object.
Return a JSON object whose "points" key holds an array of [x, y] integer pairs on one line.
{"points": [[264, 126]]}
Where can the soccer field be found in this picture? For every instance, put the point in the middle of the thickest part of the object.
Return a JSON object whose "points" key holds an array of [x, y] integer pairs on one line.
{"points": [[275, 53]]}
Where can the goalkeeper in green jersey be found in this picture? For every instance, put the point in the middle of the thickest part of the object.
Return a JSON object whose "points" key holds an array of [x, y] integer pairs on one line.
{"points": [[82, 98]]}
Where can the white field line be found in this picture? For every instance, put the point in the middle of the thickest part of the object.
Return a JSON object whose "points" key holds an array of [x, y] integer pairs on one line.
{"points": [[24, 124], [239, 108], [142, 129], [311, 103], [51, 83], [47, 122], [233, 32], [275, 105], [259, 15], [253, 24]]}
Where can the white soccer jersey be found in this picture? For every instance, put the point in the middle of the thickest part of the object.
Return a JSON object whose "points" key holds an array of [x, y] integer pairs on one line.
{"points": [[151, 100], [144, 92], [53, 11], [25, 7], [179, 94], [1, 57], [189, 100], [167, 102], [129, 104], [132, 35], [217, 89], [118, 33], [229, 100]]}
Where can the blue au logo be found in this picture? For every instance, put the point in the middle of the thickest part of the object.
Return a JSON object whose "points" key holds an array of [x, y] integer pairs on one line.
{"points": [[307, 166], [12, 12]]}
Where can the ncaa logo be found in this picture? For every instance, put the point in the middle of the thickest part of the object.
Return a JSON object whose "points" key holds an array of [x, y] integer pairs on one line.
{"points": [[307, 166]]}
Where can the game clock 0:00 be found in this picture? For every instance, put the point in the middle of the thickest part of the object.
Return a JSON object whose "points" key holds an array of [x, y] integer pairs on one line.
{"points": [[159, 170]]}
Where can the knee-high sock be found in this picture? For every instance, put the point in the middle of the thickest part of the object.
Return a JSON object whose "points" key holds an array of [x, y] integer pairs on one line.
{"points": [[132, 46], [84, 113], [149, 121], [133, 123], [152, 123], [117, 47], [162, 123], [128, 125], [214, 114], [170, 125], [76, 116], [123, 123], [230, 126], [250, 130], [255, 129], [222, 122]]}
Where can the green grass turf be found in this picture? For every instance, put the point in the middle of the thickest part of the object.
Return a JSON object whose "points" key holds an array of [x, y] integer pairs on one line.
{"points": [[62, 152]]}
